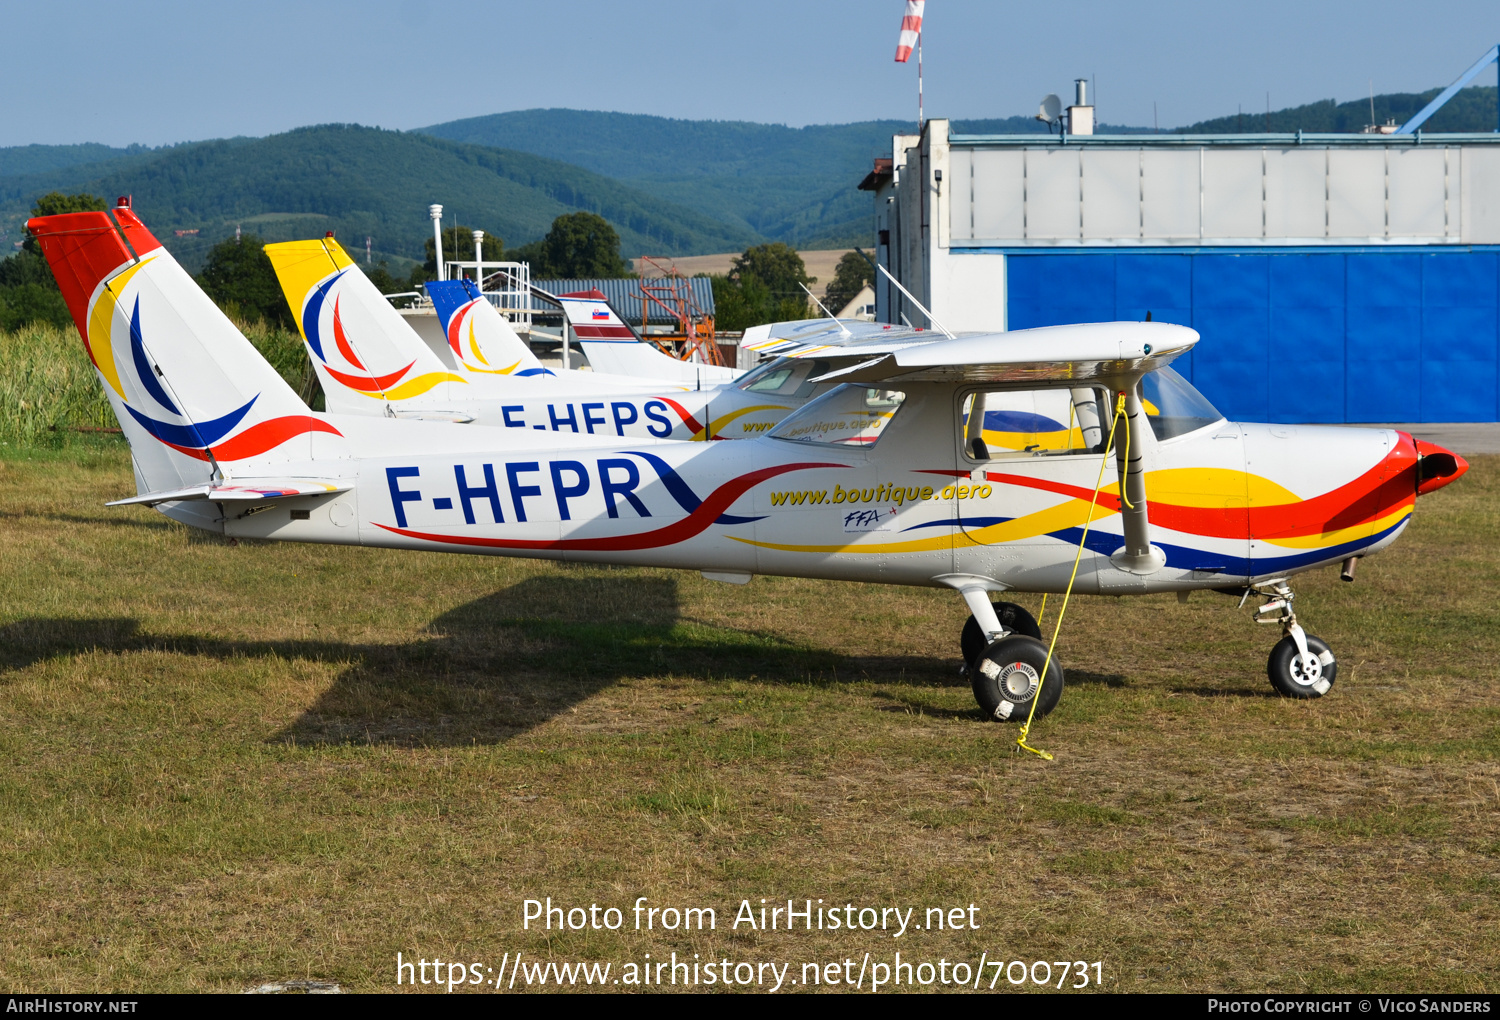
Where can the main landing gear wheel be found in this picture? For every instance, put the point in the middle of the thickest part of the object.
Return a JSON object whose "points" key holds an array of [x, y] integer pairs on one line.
{"points": [[1013, 618], [1007, 677], [1291, 679]]}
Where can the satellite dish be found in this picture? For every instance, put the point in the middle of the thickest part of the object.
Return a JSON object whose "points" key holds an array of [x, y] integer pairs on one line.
{"points": [[1051, 110]]}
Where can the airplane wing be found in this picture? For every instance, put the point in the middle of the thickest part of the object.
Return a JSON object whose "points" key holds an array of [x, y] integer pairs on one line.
{"points": [[241, 491], [806, 338], [1078, 353]]}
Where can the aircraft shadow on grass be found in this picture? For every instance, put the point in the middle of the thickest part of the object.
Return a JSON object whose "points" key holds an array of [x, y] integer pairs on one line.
{"points": [[500, 665]]}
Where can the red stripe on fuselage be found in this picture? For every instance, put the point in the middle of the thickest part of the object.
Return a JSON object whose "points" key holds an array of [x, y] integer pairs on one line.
{"points": [[1386, 486], [682, 412], [720, 500]]}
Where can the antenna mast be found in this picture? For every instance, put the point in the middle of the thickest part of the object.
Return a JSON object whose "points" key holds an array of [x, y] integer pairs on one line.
{"points": [[920, 118]]}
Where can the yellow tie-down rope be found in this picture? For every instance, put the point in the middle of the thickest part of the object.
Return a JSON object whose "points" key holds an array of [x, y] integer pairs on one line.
{"points": [[1078, 557]]}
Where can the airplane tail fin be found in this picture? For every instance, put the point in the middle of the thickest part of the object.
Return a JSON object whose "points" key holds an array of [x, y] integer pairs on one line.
{"points": [[366, 356], [193, 397], [613, 346], [482, 340]]}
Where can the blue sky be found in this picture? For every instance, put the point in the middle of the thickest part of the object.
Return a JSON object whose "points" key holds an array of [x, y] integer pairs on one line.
{"points": [[166, 72]]}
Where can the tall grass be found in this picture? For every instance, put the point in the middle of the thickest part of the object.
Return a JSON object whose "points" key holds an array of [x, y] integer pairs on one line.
{"points": [[49, 390], [47, 386]]}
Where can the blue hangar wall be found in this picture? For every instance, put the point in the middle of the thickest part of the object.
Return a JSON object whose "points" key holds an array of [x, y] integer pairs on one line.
{"points": [[1293, 335]]}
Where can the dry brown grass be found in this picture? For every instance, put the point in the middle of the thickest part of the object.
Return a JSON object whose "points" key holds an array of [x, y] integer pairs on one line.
{"points": [[227, 765]]}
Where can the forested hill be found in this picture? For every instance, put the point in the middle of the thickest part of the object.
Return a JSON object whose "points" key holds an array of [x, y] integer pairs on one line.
{"points": [[35, 159], [674, 187], [360, 181], [786, 184], [798, 184], [1472, 109]]}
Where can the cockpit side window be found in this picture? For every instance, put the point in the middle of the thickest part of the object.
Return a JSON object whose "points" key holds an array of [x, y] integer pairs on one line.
{"points": [[767, 378], [1034, 423], [786, 377]]}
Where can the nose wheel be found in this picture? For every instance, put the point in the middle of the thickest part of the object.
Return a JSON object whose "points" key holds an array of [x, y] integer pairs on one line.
{"points": [[1301, 664], [1296, 678]]}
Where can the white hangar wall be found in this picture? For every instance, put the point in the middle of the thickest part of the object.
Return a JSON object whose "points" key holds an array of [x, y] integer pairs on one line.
{"points": [[1372, 262]]}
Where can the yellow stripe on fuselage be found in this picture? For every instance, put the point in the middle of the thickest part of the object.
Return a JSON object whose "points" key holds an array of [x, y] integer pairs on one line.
{"points": [[716, 427], [1068, 514], [1341, 535]]}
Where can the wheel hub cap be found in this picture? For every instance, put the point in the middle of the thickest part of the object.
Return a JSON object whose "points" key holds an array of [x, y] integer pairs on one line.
{"points": [[1309, 676], [1018, 682]]}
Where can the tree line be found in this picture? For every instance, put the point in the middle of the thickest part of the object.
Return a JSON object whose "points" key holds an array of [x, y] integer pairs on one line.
{"points": [[763, 285]]}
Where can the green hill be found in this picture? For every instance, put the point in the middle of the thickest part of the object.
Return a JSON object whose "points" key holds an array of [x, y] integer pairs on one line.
{"points": [[786, 184], [360, 181], [34, 159], [1472, 109], [796, 185], [674, 187]]}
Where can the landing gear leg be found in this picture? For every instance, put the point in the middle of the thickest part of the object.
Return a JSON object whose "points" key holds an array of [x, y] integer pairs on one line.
{"points": [[1301, 665], [1013, 619]]}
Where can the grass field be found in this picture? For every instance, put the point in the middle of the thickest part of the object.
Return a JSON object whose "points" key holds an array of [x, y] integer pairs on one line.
{"points": [[225, 765], [49, 391]]}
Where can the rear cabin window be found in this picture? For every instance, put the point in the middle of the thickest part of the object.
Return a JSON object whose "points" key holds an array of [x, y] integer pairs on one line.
{"points": [[846, 416], [1034, 423]]}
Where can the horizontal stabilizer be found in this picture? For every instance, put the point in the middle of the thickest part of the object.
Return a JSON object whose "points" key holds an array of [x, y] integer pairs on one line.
{"points": [[432, 414], [244, 490]]}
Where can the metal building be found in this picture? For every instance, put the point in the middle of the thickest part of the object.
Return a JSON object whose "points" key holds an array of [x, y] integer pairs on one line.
{"points": [[1333, 277]]}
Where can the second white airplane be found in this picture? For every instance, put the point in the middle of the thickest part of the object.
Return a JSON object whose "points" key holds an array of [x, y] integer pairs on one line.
{"points": [[371, 362]]}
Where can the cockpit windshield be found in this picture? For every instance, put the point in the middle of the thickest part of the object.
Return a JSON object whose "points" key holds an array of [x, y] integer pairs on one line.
{"points": [[849, 415], [1173, 406]]}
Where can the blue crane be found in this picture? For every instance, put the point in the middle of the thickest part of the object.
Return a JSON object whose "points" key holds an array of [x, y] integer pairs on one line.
{"points": [[1448, 93]]}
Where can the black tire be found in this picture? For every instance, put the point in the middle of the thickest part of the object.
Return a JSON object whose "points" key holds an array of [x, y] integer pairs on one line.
{"points": [[1006, 677], [1013, 618], [1285, 669]]}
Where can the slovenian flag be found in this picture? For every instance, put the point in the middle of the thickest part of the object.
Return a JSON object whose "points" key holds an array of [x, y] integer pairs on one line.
{"points": [[911, 27], [600, 314]]}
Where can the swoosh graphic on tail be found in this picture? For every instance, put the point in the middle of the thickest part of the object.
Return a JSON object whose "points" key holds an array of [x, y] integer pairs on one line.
{"points": [[143, 365], [190, 435]]}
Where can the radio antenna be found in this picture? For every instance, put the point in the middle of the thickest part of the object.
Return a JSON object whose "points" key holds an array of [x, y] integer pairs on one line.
{"points": [[843, 330], [920, 307]]}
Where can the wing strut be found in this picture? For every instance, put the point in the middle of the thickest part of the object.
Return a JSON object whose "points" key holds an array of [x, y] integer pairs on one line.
{"points": [[1137, 555]]}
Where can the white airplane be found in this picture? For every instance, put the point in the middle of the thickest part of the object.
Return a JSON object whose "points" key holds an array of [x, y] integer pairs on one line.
{"points": [[613, 346], [371, 362], [886, 479]]}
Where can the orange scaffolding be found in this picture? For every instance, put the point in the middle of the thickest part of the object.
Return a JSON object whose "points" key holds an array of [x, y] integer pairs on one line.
{"points": [[673, 294]]}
